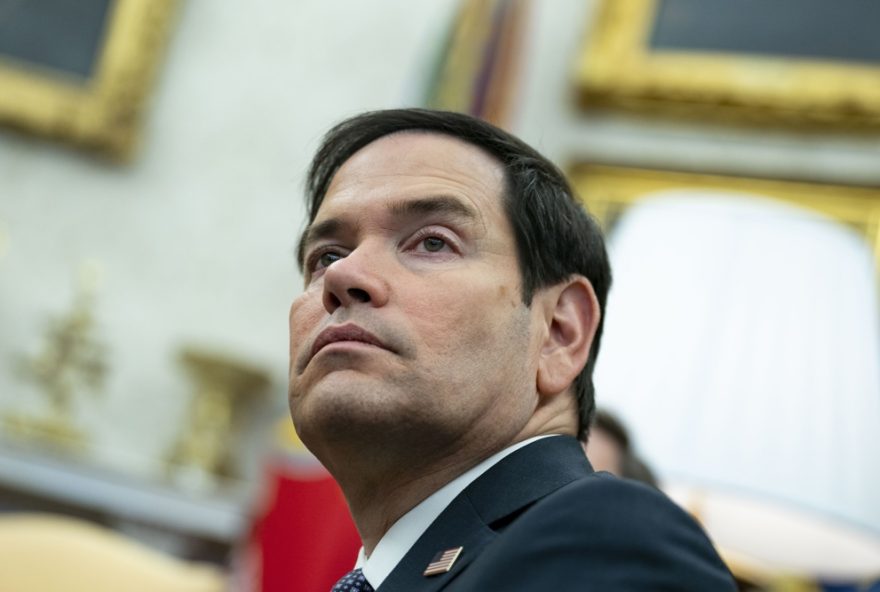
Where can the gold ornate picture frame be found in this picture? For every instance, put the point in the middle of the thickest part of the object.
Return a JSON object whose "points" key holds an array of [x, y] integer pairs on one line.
{"points": [[618, 68], [607, 191], [101, 111]]}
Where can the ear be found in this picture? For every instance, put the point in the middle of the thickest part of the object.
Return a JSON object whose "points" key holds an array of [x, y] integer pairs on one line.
{"points": [[572, 316]]}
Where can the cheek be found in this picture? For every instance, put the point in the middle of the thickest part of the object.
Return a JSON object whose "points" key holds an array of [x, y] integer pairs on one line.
{"points": [[466, 320], [306, 312]]}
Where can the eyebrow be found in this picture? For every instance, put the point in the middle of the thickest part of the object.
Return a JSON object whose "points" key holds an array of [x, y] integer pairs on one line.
{"points": [[423, 206], [435, 204]]}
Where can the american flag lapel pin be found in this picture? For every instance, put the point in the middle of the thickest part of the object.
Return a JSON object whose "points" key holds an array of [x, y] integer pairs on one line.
{"points": [[442, 561]]}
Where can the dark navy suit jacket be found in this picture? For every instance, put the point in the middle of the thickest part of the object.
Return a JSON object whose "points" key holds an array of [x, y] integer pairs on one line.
{"points": [[542, 520]]}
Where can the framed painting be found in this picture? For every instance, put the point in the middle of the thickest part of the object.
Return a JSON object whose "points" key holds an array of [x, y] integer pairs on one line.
{"points": [[607, 191], [795, 62], [80, 70]]}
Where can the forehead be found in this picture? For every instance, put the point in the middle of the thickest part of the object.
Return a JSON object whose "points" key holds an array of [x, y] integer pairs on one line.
{"points": [[417, 164]]}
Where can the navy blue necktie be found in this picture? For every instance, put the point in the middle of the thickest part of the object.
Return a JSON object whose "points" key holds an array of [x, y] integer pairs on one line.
{"points": [[353, 581]]}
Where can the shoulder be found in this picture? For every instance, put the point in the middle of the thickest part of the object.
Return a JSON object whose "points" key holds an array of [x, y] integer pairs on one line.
{"points": [[606, 532], [602, 499], [601, 509]]}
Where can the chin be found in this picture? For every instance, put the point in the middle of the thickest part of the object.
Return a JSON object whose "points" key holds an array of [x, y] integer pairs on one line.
{"points": [[334, 407], [356, 416]]}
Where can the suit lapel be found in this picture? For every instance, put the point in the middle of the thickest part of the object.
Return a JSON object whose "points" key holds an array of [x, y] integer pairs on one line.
{"points": [[526, 476], [458, 526], [517, 481]]}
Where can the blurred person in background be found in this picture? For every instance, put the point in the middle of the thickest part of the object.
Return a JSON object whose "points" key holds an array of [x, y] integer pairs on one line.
{"points": [[609, 448]]}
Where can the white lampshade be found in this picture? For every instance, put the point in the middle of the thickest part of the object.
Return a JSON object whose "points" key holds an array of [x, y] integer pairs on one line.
{"points": [[742, 349]]}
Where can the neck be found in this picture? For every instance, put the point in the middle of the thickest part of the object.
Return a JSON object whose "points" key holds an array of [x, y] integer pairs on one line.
{"points": [[386, 482], [376, 511], [379, 498]]}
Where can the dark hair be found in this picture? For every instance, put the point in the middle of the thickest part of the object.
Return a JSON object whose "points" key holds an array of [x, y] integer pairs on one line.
{"points": [[613, 427], [555, 237], [631, 464]]}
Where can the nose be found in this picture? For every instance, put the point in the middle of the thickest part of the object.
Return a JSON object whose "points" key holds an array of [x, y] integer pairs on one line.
{"points": [[355, 279]]}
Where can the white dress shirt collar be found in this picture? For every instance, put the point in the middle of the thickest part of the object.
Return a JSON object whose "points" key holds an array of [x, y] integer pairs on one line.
{"points": [[404, 533]]}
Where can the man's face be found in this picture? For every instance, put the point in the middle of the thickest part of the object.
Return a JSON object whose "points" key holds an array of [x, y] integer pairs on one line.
{"points": [[411, 330]]}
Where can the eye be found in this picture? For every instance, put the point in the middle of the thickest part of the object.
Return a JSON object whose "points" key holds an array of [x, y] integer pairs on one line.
{"points": [[321, 259], [433, 244], [327, 258]]}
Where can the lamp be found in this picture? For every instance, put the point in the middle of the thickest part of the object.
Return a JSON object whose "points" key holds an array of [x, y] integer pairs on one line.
{"points": [[742, 348]]}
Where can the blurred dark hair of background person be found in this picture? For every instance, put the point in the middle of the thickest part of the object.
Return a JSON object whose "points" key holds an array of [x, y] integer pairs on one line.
{"points": [[609, 448]]}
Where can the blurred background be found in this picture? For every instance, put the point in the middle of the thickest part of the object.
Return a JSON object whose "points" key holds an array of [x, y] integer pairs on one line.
{"points": [[152, 156]]}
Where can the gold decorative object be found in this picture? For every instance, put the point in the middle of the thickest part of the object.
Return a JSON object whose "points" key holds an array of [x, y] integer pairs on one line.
{"points": [[71, 360], [617, 68], [224, 387], [608, 191], [100, 109]]}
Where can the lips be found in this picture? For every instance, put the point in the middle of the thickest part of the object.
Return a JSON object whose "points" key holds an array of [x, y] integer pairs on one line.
{"points": [[347, 332]]}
